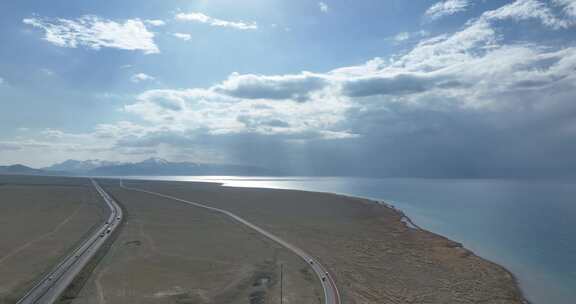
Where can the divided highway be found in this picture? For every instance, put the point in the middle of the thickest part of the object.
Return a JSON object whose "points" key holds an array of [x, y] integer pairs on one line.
{"points": [[331, 293], [53, 284]]}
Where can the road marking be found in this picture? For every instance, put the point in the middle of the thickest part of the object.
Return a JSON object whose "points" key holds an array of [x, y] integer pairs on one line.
{"points": [[52, 285], [331, 293]]}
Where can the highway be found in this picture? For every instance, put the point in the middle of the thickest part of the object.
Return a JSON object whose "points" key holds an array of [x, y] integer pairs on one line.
{"points": [[49, 288], [331, 293]]}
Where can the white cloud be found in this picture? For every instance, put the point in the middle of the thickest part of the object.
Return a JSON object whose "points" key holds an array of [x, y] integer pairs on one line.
{"points": [[446, 8], [182, 36], [270, 105], [409, 36], [393, 84], [250, 86], [323, 7], [526, 10], [402, 36], [1, 81], [469, 70], [216, 112], [136, 78], [47, 72], [96, 33], [202, 18], [440, 51], [155, 22], [569, 6], [464, 82], [51, 144]]}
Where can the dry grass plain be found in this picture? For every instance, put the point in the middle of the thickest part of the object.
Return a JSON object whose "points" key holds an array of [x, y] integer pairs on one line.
{"points": [[168, 252], [41, 219], [375, 258]]}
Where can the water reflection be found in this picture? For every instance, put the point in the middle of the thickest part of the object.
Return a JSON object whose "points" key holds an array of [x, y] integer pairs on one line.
{"points": [[527, 226]]}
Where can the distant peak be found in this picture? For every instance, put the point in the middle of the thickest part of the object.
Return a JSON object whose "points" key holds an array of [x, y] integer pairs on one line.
{"points": [[155, 160], [74, 165], [19, 166]]}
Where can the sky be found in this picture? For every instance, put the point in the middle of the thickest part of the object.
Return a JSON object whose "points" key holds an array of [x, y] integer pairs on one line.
{"points": [[453, 88]]}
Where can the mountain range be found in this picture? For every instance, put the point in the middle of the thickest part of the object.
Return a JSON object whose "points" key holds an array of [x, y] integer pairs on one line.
{"points": [[151, 166], [80, 167], [21, 169]]}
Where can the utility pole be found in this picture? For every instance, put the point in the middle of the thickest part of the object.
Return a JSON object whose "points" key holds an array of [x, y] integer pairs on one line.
{"points": [[281, 283]]}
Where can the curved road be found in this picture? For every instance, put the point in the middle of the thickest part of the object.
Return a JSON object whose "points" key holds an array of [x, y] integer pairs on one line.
{"points": [[52, 285], [331, 293]]}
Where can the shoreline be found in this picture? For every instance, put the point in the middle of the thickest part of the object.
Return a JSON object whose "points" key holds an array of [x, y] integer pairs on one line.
{"points": [[353, 199], [408, 222], [403, 215], [405, 219]]}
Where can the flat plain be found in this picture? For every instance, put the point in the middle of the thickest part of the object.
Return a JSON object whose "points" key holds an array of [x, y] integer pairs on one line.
{"points": [[41, 219], [372, 254], [168, 252], [171, 252]]}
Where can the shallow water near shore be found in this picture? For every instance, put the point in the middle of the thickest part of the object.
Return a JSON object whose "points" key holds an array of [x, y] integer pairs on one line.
{"points": [[526, 226]]}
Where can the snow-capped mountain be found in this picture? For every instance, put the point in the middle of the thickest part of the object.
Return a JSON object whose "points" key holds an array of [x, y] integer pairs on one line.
{"points": [[158, 166], [154, 166], [78, 166], [154, 161]]}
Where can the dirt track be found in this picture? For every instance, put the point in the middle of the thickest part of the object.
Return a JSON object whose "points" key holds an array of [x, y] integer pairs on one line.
{"points": [[375, 257], [173, 253]]}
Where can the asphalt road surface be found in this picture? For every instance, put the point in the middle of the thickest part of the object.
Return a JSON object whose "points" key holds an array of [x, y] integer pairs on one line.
{"points": [[49, 288], [331, 294]]}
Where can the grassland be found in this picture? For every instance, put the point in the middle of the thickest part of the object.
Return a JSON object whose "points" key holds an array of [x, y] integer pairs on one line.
{"points": [[173, 253], [374, 256], [41, 219], [169, 252]]}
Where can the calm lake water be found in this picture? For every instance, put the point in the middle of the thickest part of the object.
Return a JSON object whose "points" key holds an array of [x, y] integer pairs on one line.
{"points": [[528, 226]]}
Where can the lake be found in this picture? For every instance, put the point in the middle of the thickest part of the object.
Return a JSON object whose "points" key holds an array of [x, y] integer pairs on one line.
{"points": [[525, 225]]}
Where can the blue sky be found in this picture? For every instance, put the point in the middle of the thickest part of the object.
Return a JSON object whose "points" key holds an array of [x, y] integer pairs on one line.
{"points": [[370, 87]]}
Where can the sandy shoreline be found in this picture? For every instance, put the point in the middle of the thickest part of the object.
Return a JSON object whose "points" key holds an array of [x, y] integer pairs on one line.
{"points": [[375, 255], [408, 221]]}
